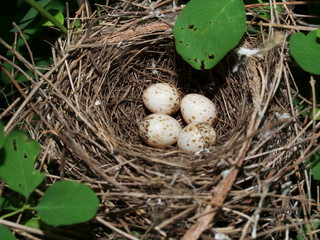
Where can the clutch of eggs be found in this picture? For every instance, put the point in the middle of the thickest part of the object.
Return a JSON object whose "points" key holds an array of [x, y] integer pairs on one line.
{"points": [[161, 130]]}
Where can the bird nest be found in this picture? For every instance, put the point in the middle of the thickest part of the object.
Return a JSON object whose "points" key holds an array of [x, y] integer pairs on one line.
{"points": [[89, 103]]}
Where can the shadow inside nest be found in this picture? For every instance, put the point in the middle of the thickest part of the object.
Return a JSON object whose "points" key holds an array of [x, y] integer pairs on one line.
{"points": [[121, 91]]}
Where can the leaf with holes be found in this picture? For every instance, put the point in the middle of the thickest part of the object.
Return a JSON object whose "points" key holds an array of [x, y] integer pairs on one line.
{"points": [[66, 203], [17, 158], [305, 49], [206, 30]]}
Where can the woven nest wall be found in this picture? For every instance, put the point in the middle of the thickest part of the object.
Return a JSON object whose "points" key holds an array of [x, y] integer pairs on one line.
{"points": [[90, 103]]}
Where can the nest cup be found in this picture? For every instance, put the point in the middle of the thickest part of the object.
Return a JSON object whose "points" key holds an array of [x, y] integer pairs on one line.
{"points": [[92, 102], [102, 84]]}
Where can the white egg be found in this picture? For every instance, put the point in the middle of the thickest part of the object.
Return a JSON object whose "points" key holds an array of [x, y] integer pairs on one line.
{"points": [[159, 130], [162, 98], [198, 108], [196, 136]]}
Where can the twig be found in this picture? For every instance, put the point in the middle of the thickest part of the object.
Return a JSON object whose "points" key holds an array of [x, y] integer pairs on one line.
{"points": [[314, 103], [27, 235], [254, 219], [88, 160], [9, 108], [222, 190], [25, 102], [254, 5], [174, 218], [277, 25], [219, 196], [30, 67], [33, 230], [140, 30], [109, 225]]}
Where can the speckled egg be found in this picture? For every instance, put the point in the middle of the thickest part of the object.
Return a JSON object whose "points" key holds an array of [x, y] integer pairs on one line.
{"points": [[196, 136], [162, 98], [197, 108], [159, 130]]}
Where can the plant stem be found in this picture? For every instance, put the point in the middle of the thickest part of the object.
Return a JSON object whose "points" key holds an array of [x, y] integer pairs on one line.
{"points": [[15, 212], [47, 15]]}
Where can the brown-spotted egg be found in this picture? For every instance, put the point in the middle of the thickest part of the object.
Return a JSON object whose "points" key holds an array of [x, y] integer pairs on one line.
{"points": [[161, 98], [197, 108], [196, 136], [159, 130]]}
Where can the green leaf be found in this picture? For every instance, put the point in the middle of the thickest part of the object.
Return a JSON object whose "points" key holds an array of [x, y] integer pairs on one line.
{"points": [[313, 225], [33, 223], [305, 49], [17, 158], [66, 203], [36, 222], [57, 14], [56, 9], [315, 165], [301, 107], [1, 134], [58, 5], [318, 33], [316, 113], [206, 30], [30, 15], [5, 233]]}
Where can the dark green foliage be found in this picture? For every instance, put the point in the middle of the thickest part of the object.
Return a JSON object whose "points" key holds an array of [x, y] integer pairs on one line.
{"points": [[6, 234], [66, 203]]}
